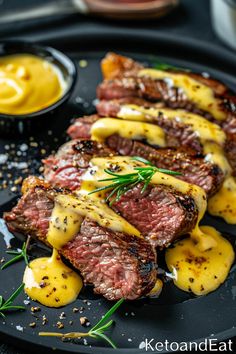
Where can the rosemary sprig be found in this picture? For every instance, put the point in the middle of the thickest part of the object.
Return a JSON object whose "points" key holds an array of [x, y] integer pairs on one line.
{"points": [[164, 66], [21, 254], [7, 305], [96, 332], [122, 183]]}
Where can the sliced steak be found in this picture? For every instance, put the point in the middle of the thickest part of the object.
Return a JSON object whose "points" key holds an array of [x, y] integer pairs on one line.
{"points": [[157, 90], [66, 167], [191, 164], [110, 108], [184, 209], [118, 265], [122, 82]]}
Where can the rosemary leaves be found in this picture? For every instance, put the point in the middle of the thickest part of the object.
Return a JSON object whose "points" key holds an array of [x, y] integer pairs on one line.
{"points": [[19, 254], [96, 332], [8, 304], [122, 183], [165, 67]]}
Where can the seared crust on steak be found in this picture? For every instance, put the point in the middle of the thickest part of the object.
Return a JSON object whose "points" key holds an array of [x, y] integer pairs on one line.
{"points": [[122, 72], [115, 66], [118, 265]]}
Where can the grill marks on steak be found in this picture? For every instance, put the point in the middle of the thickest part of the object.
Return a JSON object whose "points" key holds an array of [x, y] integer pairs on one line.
{"points": [[72, 159], [117, 264]]}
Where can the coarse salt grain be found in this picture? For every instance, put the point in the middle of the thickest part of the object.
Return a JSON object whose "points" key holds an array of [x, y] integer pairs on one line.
{"points": [[19, 165], [19, 328], [23, 147], [3, 158]]}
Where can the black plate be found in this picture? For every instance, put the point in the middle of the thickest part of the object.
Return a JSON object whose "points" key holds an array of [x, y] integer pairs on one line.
{"points": [[176, 315]]}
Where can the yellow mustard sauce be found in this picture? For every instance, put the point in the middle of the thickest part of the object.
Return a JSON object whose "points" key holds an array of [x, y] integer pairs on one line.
{"points": [[28, 84], [212, 138], [202, 95], [198, 271], [157, 289], [78, 208], [105, 127], [223, 203], [64, 223], [49, 281], [206, 130]]}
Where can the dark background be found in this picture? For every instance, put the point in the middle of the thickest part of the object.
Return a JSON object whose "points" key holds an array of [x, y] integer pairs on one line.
{"points": [[191, 20]]}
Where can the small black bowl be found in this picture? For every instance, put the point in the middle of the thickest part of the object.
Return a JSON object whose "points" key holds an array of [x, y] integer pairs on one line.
{"points": [[11, 124]]}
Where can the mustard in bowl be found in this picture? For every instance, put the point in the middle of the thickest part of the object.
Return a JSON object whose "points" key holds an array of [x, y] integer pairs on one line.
{"points": [[34, 81]]}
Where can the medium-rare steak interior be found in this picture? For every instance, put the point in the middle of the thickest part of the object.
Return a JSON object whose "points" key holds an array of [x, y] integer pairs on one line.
{"points": [[116, 263]]}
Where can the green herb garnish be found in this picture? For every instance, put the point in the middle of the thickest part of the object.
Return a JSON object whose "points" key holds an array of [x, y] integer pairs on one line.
{"points": [[7, 305], [164, 66], [122, 183], [96, 332], [21, 254]]}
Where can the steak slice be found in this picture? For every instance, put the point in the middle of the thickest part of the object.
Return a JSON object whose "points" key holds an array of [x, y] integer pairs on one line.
{"points": [[118, 265], [121, 74], [194, 170], [82, 129], [177, 133], [115, 66], [160, 213], [191, 164], [161, 202], [64, 169], [158, 90]]}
